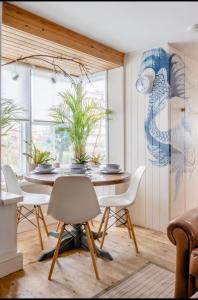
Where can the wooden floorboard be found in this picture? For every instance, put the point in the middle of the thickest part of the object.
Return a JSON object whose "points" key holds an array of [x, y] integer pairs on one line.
{"points": [[73, 276]]}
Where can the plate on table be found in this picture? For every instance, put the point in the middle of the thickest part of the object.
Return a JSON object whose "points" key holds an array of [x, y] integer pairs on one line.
{"points": [[111, 171], [50, 171]]}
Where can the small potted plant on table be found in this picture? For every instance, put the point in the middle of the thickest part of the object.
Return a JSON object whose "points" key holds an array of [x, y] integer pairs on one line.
{"points": [[37, 157], [79, 164], [96, 160]]}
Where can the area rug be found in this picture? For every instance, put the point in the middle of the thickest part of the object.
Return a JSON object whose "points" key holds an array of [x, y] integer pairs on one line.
{"points": [[151, 281]]}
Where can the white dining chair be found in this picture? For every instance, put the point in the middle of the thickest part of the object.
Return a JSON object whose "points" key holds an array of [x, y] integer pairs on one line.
{"points": [[74, 201], [24, 209], [122, 203]]}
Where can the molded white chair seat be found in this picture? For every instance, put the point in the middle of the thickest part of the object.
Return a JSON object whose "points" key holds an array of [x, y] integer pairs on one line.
{"points": [[123, 201], [34, 199], [114, 201]]}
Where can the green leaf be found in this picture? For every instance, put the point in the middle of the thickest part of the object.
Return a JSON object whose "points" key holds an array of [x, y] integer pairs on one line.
{"points": [[9, 114], [37, 156]]}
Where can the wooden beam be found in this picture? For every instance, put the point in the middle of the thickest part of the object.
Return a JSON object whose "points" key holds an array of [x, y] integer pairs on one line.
{"points": [[19, 38], [24, 20]]}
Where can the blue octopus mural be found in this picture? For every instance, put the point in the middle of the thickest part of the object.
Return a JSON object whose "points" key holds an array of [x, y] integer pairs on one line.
{"points": [[167, 147]]}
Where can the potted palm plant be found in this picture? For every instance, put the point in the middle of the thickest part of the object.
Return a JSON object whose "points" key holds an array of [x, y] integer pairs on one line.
{"points": [[78, 116]]}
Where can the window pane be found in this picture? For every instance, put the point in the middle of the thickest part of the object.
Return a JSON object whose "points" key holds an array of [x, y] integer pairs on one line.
{"points": [[63, 148], [47, 138], [18, 89], [45, 92], [13, 147], [43, 137]]}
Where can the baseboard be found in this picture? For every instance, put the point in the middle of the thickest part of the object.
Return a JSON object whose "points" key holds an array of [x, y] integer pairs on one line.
{"points": [[10, 263]]}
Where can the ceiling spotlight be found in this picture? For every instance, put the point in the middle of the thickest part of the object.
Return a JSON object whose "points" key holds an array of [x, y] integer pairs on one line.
{"points": [[193, 28], [15, 75], [53, 79]]}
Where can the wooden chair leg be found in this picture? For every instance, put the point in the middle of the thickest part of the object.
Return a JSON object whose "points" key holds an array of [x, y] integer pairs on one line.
{"points": [[92, 239], [43, 219], [36, 209], [105, 227], [92, 224], [91, 249], [19, 209], [58, 225], [132, 231], [101, 223], [56, 252], [128, 224]]}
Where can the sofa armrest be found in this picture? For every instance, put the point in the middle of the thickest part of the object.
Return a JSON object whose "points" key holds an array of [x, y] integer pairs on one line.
{"points": [[183, 233]]}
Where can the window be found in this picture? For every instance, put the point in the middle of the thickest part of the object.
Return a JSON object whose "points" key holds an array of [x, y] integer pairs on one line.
{"points": [[44, 96], [19, 91], [13, 146], [45, 92], [35, 90]]}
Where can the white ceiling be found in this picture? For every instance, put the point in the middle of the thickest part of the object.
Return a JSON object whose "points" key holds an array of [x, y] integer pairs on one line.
{"points": [[125, 26]]}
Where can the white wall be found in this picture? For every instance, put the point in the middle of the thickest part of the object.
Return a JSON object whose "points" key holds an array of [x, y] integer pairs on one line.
{"points": [[186, 196], [151, 209], [115, 96]]}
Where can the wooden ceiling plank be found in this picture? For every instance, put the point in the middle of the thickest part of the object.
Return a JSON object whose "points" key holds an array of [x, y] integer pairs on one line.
{"points": [[26, 21], [20, 34], [42, 50], [8, 53], [59, 41], [26, 51], [26, 36], [16, 53], [73, 72]]}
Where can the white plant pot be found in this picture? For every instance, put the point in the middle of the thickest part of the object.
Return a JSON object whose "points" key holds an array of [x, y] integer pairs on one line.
{"points": [[78, 168]]}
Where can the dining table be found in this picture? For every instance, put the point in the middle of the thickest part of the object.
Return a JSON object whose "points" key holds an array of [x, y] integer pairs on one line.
{"points": [[76, 238]]}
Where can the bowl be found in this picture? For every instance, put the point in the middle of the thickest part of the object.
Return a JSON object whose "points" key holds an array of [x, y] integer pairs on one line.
{"points": [[111, 166], [78, 171], [44, 166], [78, 166]]}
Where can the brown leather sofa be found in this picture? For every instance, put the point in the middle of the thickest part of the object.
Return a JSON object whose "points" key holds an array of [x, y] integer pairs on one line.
{"points": [[183, 233]]}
